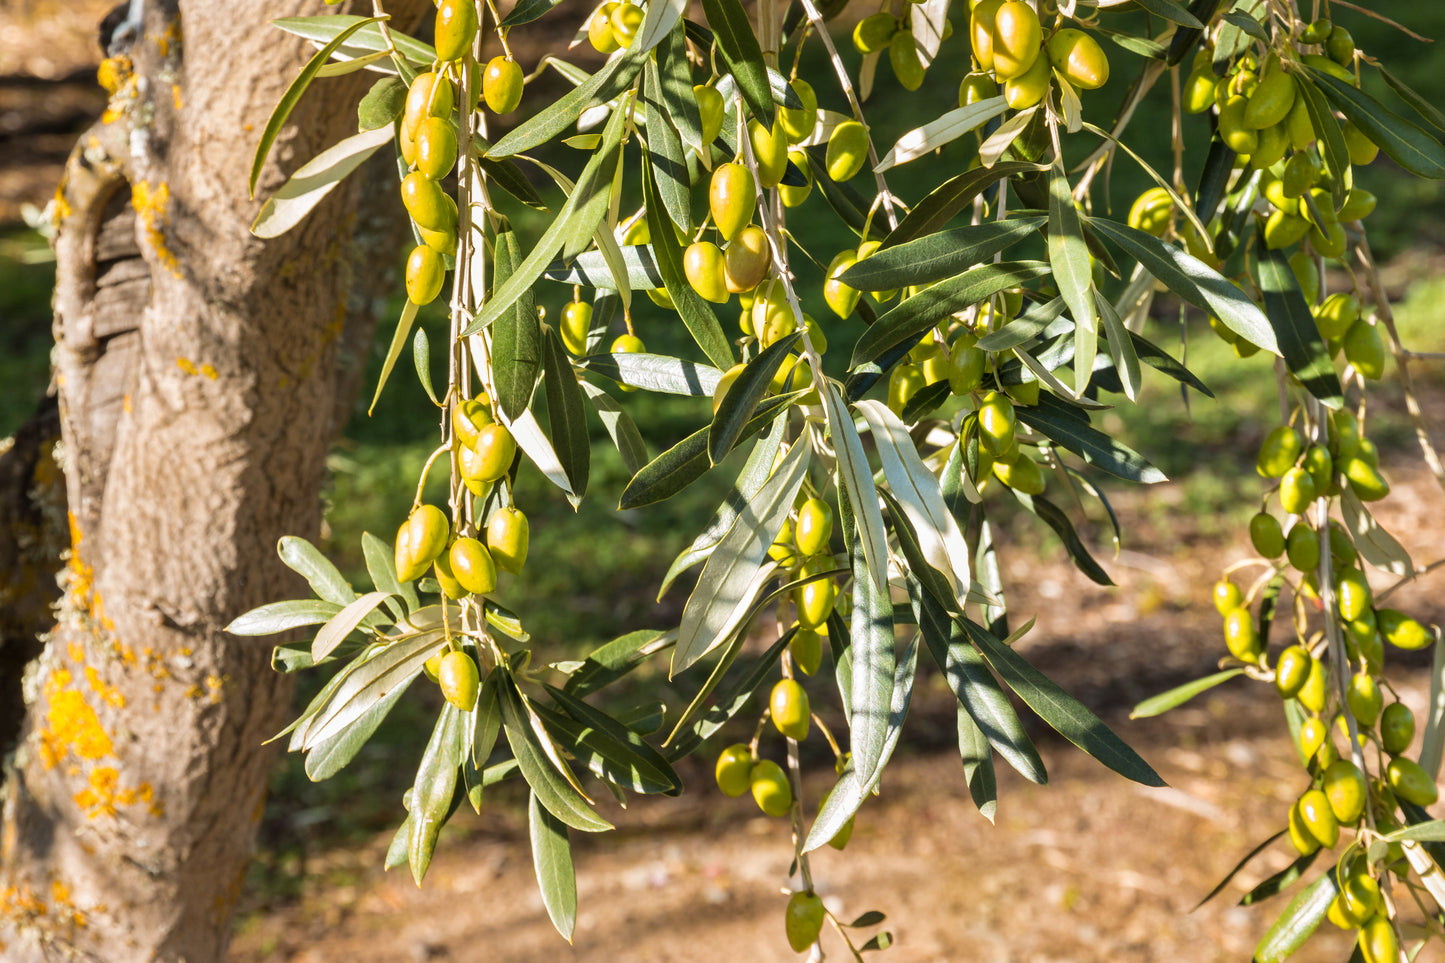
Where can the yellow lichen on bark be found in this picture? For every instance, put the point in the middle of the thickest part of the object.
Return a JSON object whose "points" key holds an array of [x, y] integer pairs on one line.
{"points": [[104, 794], [71, 726], [150, 207]]}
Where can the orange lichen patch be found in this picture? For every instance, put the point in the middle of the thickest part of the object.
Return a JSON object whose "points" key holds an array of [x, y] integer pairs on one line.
{"points": [[71, 726], [186, 365], [210, 371], [176, 96], [82, 576], [113, 72], [125, 403], [150, 206], [61, 210], [109, 693], [163, 40], [25, 902], [105, 794]]}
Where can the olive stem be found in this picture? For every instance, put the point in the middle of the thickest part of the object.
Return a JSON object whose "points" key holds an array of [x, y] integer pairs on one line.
{"points": [[386, 33], [501, 34], [795, 776], [421, 483]]}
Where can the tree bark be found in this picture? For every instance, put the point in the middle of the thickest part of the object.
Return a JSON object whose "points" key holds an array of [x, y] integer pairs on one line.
{"points": [[202, 375]]}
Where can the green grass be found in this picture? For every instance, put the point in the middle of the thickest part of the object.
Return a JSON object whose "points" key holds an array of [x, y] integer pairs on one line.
{"points": [[27, 276]]}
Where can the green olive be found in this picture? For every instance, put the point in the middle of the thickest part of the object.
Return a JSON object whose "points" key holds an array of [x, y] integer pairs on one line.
{"points": [[983, 31], [1364, 699], [1296, 491], [1307, 273], [456, 28], [599, 29], [996, 423], [1312, 695], [1198, 94], [1017, 38], [788, 705], [1241, 637], [815, 600], [1301, 173], [493, 454], [1279, 451], [1281, 229], [873, 32], [425, 202], [1151, 211], [1079, 58], [430, 95], [1359, 895], [1266, 535], [436, 147], [1022, 474], [1291, 671], [472, 566], [770, 150], [1397, 728], [747, 261], [847, 150], [840, 298], [1365, 479], [1319, 818], [1401, 631], [508, 536], [1303, 840], [502, 85], [421, 538], [469, 417], [1365, 350], [1409, 781], [770, 788], [904, 381], [1377, 939], [903, 58], [1232, 130], [976, 87], [1320, 466], [806, 650], [804, 920], [702, 263], [1227, 596], [576, 323], [814, 527], [459, 680], [1340, 45], [731, 199], [794, 195], [797, 123], [1299, 126], [1271, 100], [1362, 150], [1359, 204], [1355, 597], [1302, 547], [1272, 146], [1029, 87], [1336, 314], [626, 19], [424, 274], [734, 769], [711, 110]]}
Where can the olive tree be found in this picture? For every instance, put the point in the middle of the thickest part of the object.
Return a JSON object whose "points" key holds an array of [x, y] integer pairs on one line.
{"points": [[203, 374]]}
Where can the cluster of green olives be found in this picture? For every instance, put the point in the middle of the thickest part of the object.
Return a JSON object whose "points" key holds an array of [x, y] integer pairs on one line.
{"points": [[802, 548], [884, 31], [613, 26], [428, 139], [1010, 49], [1310, 471]]}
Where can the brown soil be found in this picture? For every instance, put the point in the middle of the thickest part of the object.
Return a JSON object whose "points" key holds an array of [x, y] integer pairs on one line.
{"points": [[1091, 867]]}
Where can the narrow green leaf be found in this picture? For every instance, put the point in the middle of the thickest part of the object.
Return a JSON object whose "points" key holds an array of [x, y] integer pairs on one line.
{"points": [[1294, 326], [1120, 347], [1374, 543], [1078, 552], [675, 83], [1301, 918], [1092, 445], [486, 721], [737, 407], [1171, 11], [855, 477], [944, 129], [620, 427], [327, 757], [292, 97], [314, 180], [1219, 887], [701, 323], [873, 667], [516, 335], [303, 558], [1192, 280], [431, 794], [927, 308], [504, 173], [1164, 701], [656, 372], [525, 12], [1162, 361], [1069, 258], [664, 155], [950, 198], [283, 616], [381, 566], [611, 79], [1406, 144], [552, 861], [553, 790], [393, 352], [648, 771], [1333, 150], [590, 269], [938, 256], [728, 701], [357, 42], [738, 45], [612, 660], [421, 358], [566, 414], [360, 685], [1278, 882], [728, 581], [342, 624], [977, 757], [1427, 111], [1432, 745], [1060, 710], [1428, 832], [382, 104]]}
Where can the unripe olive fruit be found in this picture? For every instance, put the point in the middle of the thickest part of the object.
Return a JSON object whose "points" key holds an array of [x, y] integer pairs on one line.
{"points": [[1312, 735], [1227, 596], [702, 263], [731, 199], [1028, 88], [770, 788], [1303, 840], [1377, 939], [456, 28], [1313, 693], [1401, 631], [996, 423], [847, 150], [1397, 728], [1365, 349], [1364, 699], [1079, 58], [1359, 204], [1198, 93], [1336, 314], [1359, 896], [436, 147], [1017, 36], [1291, 671], [508, 536], [1279, 451], [794, 195], [421, 538], [493, 454], [424, 274], [1340, 45], [459, 679], [711, 110], [903, 58], [1022, 474], [797, 123], [904, 381], [770, 150], [1409, 781], [1319, 818], [734, 769], [1354, 594], [814, 527], [1362, 150], [425, 202], [806, 648], [1150, 211], [1232, 130], [1271, 100], [430, 95], [1241, 637], [1283, 228], [1266, 535], [1365, 479], [815, 600], [840, 297], [1296, 491], [976, 87], [469, 418], [576, 322], [502, 85], [625, 19], [804, 920], [1272, 146], [746, 261], [472, 566], [873, 32], [599, 29], [790, 710]]}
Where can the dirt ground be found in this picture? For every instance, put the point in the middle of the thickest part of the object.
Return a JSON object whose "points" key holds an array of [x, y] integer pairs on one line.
{"points": [[1090, 867]]}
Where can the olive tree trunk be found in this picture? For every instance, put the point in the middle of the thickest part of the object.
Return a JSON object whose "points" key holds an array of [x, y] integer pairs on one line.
{"points": [[202, 374]]}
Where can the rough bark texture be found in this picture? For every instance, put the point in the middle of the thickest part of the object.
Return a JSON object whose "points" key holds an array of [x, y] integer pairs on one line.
{"points": [[202, 375]]}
